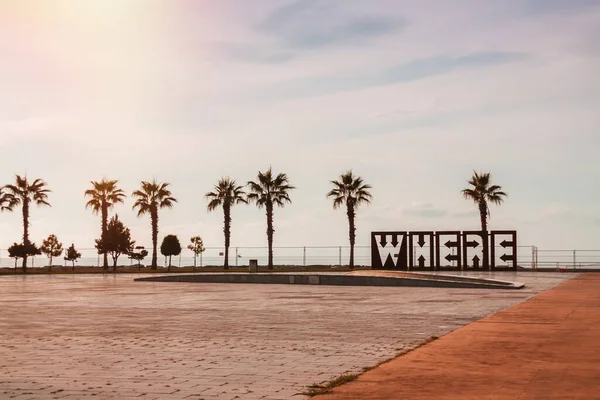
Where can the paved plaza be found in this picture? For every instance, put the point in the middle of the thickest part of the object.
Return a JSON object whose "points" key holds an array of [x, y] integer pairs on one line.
{"points": [[107, 337]]}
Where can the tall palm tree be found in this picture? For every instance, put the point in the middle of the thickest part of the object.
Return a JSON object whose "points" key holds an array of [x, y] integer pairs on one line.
{"points": [[104, 195], [481, 192], [351, 191], [267, 192], [23, 193], [152, 197], [226, 194]]}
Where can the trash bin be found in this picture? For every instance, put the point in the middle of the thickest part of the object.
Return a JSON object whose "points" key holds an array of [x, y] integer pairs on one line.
{"points": [[253, 265]]}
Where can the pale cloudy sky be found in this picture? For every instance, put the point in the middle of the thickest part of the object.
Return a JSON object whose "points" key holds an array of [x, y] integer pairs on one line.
{"points": [[412, 95]]}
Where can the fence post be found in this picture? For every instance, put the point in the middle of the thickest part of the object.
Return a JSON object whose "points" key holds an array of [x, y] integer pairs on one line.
{"points": [[236, 256], [574, 259], [304, 256], [340, 256]]}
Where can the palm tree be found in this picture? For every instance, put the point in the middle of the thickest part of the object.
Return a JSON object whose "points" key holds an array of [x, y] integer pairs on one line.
{"points": [[104, 196], [351, 191], [482, 192], [267, 192], [152, 197], [23, 193], [226, 194]]}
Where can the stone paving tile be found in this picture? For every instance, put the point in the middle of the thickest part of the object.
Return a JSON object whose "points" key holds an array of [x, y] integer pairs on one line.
{"points": [[107, 337]]}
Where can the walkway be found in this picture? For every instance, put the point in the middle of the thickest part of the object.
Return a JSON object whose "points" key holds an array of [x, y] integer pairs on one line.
{"points": [[545, 348], [107, 337]]}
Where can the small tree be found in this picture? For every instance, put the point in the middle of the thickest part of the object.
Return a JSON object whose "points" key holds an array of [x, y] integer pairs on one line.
{"points": [[197, 247], [170, 247], [116, 241], [20, 250], [72, 255], [51, 247], [16, 251], [138, 254]]}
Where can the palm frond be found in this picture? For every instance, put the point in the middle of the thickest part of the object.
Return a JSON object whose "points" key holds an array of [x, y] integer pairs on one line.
{"points": [[471, 194], [350, 190], [269, 190], [214, 204], [226, 193], [152, 196], [481, 191], [22, 191], [338, 202], [6, 200]]}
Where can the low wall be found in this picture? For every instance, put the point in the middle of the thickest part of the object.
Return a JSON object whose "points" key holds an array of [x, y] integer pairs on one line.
{"points": [[335, 279]]}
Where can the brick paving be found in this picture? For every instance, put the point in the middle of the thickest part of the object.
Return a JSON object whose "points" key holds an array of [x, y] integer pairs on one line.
{"points": [[107, 337]]}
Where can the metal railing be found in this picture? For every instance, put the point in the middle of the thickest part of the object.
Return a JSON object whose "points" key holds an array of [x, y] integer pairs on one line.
{"points": [[528, 257], [213, 256]]}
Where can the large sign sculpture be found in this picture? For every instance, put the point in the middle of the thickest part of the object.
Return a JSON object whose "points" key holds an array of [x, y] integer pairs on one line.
{"points": [[428, 250]]}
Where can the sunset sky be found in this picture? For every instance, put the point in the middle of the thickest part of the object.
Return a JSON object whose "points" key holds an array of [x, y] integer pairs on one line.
{"points": [[410, 95]]}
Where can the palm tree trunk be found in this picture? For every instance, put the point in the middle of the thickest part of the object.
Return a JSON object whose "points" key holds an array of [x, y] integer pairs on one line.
{"points": [[484, 235], [227, 232], [270, 231], [25, 230], [154, 222], [351, 233], [103, 232]]}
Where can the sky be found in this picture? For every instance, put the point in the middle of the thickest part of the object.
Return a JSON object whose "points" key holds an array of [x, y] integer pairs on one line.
{"points": [[412, 96]]}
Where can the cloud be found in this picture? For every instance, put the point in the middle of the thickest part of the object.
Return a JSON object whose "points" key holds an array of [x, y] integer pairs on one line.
{"points": [[425, 210], [309, 24], [402, 73]]}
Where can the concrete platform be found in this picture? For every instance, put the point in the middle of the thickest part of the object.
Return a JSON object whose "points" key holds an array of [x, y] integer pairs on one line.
{"points": [[355, 278]]}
